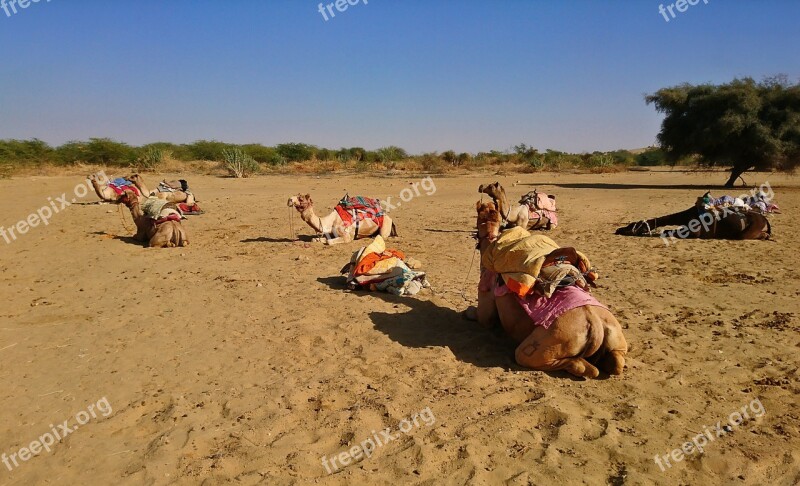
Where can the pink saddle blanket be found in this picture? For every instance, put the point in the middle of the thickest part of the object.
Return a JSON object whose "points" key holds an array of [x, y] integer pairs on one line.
{"points": [[542, 311]]}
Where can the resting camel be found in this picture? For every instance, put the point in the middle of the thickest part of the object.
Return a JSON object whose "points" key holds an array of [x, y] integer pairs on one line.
{"points": [[180, 194], [166, 232], [331, 227], [518, 215], [728, 223], [581, 341]]}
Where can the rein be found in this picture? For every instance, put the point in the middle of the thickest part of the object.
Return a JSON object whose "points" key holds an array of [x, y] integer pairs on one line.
{"points": [[122, 218], [291, 222], [464, 285]]}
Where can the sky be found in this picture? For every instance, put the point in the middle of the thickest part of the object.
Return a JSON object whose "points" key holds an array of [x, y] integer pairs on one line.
{"points": [[425, 75]]}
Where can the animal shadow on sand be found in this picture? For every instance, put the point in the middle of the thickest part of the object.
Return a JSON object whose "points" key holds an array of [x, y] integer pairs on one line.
{"points": [[264, 239], [428, 325], [127, 239], [606, 185]]}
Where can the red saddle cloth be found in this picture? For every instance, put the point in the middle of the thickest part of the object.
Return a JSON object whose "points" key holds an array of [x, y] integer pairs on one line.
{"points": [[120, 190], [353, 210], [171, 217]]}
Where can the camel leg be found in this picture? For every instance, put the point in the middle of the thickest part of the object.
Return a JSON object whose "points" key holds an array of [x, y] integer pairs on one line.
{"points": [[757, 229], [386, 227], [611, 356], [541, 352], [486, 313], [576, 333]]}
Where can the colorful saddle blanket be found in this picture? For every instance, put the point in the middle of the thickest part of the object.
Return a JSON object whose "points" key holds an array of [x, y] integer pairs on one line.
{"points": [[120, 185], [542, 310], [353, 210]]}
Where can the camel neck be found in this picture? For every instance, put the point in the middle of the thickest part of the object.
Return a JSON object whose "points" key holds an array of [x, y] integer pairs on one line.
{"points": [[311, 219]]}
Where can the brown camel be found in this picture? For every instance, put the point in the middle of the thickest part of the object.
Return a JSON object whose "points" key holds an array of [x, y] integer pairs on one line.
{"points": [[175, 196], [579, 341], [518, 215], [333, 230], [729, 223], [166, 232]]}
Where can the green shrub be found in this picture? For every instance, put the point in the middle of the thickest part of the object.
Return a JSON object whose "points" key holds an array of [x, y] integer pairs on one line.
{"points": [[295, 152], [239, 164], [25, 152], [98, 151], [151, 158], [652, 156]]}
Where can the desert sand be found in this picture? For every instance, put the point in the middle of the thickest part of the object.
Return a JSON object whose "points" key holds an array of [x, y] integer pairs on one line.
{"points": [[242, 359]]}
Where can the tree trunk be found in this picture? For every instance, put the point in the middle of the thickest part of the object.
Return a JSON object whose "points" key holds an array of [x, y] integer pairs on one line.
{"points": [[736, 172]]}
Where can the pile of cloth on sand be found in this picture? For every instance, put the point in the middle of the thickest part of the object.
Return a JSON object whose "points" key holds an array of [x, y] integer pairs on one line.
{"points": [[375, 267], [160, 210], [545, 279], [759, 202], [541, 205]]}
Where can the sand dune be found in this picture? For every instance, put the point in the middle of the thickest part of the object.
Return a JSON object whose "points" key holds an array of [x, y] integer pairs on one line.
{"points": [[241, 358]]}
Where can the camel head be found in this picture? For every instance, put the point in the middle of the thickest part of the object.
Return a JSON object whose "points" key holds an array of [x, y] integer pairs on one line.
{"points": [[638, 228], [300, 202], [495, 191], [129, 198], [498, 195], [489, 221]]}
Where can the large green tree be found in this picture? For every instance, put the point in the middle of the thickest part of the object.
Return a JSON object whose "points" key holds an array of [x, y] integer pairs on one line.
{"points": [[743, 125]]}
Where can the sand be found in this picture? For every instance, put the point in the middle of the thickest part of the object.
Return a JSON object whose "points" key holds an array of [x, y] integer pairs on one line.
{"points": [[241, 359]]}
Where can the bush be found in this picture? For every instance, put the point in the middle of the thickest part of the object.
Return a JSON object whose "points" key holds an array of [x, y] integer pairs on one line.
{"points": [[262, 154], [25, 152], [239, 164], [98, 151], [431, 162], [151, 158], [205, 150], [295, 152], [391, 154], [652, 156]]}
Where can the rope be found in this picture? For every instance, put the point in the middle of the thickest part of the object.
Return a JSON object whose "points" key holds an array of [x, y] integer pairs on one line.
{"points": [[464, 285], [122, 217], [291, 222]]}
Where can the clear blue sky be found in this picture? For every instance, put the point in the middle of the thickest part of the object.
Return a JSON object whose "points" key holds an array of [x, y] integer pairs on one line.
{"points": [[427, 75]]}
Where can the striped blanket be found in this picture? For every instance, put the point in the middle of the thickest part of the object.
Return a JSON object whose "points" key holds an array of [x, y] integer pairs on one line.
{"points": [[353, 210]]}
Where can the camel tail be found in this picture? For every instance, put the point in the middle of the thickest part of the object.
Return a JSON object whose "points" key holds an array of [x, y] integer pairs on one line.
{"points": [[394, 230]]}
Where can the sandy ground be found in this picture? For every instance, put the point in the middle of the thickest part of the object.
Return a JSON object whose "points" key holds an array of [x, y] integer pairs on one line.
{"points": [[241, 359]]}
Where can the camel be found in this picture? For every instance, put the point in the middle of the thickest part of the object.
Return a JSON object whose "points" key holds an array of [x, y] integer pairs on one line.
{"points": [[514, 216], [167, 232], [729, 223], [333, 229], [582, 341], [176, 196]]}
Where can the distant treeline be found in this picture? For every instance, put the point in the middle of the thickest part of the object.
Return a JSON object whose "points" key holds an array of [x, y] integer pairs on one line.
{"points": [[107, 152]]}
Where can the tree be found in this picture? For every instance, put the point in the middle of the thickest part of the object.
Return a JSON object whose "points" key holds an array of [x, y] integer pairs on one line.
{"points": [[742, 125]]}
